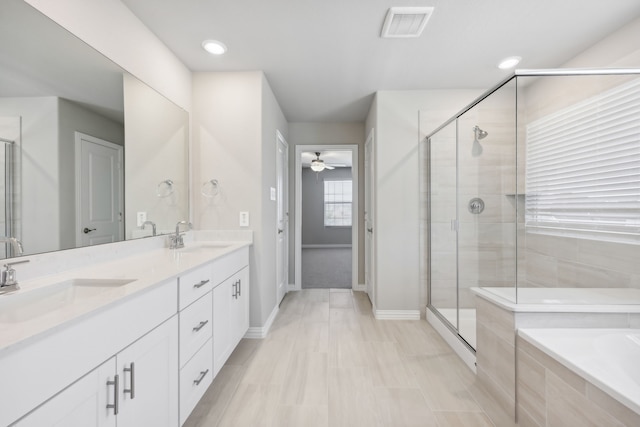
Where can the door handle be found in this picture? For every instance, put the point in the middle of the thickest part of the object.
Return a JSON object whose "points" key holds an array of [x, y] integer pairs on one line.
{"points": [[280, 231], [370, 230], [88, 230]]}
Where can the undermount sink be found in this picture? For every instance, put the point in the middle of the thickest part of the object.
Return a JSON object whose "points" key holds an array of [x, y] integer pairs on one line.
{"points": [[26, 305], [206, 247]]}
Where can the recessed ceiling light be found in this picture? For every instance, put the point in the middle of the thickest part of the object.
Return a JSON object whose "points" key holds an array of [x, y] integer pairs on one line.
{"points": [[509, 62], [214, 46]]}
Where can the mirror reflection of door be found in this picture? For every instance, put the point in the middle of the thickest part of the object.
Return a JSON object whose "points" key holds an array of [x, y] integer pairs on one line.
{"points": [[98, 191]]}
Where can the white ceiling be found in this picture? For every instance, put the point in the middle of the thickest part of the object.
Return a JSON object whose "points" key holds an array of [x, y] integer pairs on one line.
{"points": [[324, 58]]}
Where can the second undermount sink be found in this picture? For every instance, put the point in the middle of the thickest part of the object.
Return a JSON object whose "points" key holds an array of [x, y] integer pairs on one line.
{"points": [[25, 305], [206, 247]]}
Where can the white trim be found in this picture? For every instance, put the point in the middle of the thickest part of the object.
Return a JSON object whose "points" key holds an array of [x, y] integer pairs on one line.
{"points": [[454, 342], [298, 203], [361, 287], [396, 314], [260, 332]]}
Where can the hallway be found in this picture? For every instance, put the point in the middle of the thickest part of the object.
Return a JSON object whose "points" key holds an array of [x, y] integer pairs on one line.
{"points": [[328, 362]]}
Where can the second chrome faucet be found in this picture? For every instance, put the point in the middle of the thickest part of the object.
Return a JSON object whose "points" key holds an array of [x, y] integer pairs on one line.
{"points": [[175, 240]]}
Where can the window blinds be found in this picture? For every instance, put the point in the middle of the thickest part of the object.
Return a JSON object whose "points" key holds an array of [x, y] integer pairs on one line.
{"points": [[583, 168]]}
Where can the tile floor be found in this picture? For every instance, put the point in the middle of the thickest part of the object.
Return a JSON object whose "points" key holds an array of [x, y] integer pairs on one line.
{"points": [[328, 362]]}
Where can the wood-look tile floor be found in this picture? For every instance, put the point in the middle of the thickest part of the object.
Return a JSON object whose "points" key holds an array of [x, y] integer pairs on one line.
{"points": [[328, 362]]}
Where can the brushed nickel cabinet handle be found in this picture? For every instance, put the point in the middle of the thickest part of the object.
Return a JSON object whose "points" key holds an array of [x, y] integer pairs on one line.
{"points": [[201, 377], [132, 375], [115, 406], [201, 284], [200, 326]]}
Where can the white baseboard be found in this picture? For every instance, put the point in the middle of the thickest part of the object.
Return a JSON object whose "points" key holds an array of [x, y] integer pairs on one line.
{"points": [[467, 356], [260, 332], [396, 314], [360, 287]]}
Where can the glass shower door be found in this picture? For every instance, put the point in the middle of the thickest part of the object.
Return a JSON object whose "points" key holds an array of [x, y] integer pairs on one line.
{"points": [[442, 214]]}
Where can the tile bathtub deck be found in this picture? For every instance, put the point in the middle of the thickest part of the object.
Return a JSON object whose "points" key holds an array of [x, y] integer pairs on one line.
{"points": [[328, 362]]}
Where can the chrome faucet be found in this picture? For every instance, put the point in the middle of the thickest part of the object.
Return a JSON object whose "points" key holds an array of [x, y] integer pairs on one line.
{"points": [[8, 281], [175, 240], [152, 224], [15, 243]]}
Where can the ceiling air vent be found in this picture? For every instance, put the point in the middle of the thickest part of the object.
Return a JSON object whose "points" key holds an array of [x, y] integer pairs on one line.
{"points": [[405, 21]]}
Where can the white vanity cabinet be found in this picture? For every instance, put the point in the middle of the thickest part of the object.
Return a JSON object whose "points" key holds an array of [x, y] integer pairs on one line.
{"points": [[196, 326], [230, 305], [137, 387]]}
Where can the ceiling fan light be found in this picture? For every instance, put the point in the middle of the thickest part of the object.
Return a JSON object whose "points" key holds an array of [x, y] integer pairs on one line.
{"points": [[317, 165]]}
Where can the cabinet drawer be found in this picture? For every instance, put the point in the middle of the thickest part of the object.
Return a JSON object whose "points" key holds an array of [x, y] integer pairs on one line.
{"points": [[196, 325], [225, 267], [195, 378], [194, 284]]}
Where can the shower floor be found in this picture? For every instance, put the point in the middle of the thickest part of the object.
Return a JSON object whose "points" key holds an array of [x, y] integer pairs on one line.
{"points": [[467, 326]]}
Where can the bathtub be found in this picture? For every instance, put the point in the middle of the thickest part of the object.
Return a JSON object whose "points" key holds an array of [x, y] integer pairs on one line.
{"points": [[563, 300], [607, 358]]}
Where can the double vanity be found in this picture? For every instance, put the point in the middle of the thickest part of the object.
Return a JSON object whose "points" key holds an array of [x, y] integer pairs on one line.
{"points": [[131, 341]]}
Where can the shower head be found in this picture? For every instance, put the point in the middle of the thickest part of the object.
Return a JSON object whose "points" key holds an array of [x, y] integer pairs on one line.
{"points": [[479, 133]]}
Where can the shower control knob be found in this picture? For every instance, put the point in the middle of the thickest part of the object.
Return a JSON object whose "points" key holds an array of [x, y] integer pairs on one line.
{"points": [[88, 230]]}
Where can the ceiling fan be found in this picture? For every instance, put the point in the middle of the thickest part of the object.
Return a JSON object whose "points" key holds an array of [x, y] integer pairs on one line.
{"points": [[318, 165]]}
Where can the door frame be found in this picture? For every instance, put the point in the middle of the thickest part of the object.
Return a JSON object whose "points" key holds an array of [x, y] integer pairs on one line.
{"points": [[284, 199], [355, 226], [79, 136], [370, 217]]}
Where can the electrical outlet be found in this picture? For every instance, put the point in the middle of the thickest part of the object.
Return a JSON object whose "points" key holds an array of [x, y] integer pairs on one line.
{"points": [[141, 217], [244, 219]]}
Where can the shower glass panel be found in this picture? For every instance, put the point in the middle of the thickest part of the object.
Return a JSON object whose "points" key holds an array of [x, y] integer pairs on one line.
{"points": [[443, 271], [533, 195]]}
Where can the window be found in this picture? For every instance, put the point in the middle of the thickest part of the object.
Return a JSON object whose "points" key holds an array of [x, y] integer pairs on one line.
{"points": [[337, 203], [583, 169]]}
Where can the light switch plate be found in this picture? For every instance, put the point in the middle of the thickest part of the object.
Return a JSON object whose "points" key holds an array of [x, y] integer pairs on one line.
{"points": [[244, 219], [273, 193], [141, 217]]}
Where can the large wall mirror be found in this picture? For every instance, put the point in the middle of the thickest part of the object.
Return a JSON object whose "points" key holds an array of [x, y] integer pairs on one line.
{"points": [[88, 153]]}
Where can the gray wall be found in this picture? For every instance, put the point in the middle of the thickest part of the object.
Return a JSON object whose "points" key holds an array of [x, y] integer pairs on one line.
{"points": [[313, 230]]}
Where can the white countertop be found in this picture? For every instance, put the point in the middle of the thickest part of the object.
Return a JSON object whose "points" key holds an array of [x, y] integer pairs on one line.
{"points": [[145, 270]]}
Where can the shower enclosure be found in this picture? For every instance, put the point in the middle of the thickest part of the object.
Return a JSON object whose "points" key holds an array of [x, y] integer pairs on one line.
{"points": [[10, 130], [535, 184]]}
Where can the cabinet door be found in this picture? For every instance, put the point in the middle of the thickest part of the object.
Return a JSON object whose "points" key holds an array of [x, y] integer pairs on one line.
{"points": [[148, 370], [82, 404], [240, 306], [222, 325]]}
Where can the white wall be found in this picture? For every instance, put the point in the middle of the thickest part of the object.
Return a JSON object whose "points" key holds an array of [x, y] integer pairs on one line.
{"points": [[309, 133], [159, 134], [235, 120], [394, 116]]}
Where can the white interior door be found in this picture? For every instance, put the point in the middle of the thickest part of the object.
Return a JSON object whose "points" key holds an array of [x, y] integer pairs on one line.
{"points": [[369, 195], [282, 201], [99, 191]]}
